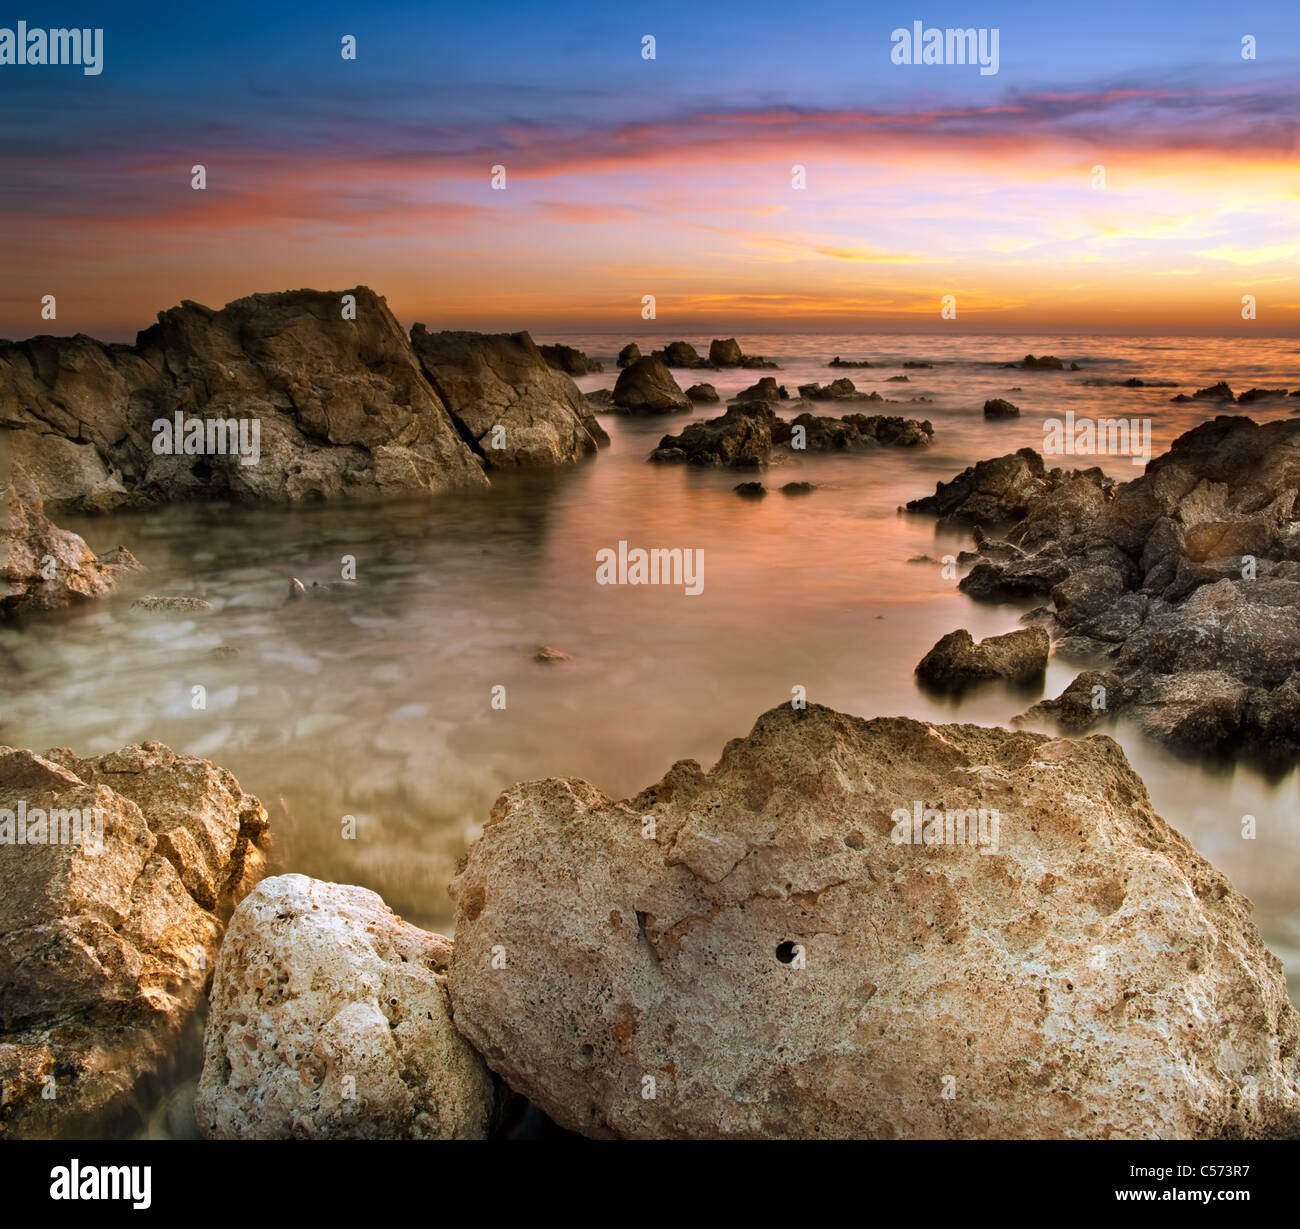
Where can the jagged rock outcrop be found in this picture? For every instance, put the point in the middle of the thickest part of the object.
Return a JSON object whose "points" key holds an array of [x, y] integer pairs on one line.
{"points": [[513, 409], [744, 437], [766, 389], [570, 361], [682, 354], [646, 386], [1044, 362], [1088, 700], [840, 389], [853, 432], [753, 952], [108, 930], [1260, 394], [997, 491], [296, 403], [329, 1020], [1185, 581], [740, 439], [43, 567], [957, 662], [725, 352]]}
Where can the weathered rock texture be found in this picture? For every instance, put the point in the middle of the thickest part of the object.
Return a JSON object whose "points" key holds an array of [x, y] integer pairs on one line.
{"points": [[569, 360], [745, 436], [343, 407], [779, 967], [646, 386], [491, 380], [43, 567], [681, 354], [329, 1019], [1184, 581], [726, 352], [104, 952], [1001, 490], [957, 662]]}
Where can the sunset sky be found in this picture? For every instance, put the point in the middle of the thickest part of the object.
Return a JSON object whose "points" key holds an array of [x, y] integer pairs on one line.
{"points": [[670, 177]]}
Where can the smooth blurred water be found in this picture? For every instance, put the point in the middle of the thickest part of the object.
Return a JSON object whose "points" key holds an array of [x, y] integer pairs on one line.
{"points": [[378, 704]]}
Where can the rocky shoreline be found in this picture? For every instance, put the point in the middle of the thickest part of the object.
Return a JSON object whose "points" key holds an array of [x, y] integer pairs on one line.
{"points": [[846, 929], [1180, 588]]}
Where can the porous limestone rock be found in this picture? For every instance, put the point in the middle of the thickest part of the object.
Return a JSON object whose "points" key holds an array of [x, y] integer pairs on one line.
{"points": [[329, 1019], [750, 953], [108, 933]]}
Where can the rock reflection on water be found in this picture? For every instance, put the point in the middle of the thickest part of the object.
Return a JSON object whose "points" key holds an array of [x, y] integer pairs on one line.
{"points": [[376, 702]]}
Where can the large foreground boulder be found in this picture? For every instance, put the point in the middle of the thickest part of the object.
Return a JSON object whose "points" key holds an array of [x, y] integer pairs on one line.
{"points": [[329, 1019], [117, 874], [43, 567], [793, 946], [515, 409]]}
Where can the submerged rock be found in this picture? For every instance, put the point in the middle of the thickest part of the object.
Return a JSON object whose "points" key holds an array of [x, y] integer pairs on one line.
{"points": [[154, 603], [1261, 394], [330, 1020], [647, 387], [750, 490], [753, 952], [516, 411], [43, 567], [106, 941], [996, 407], [703, 392], [1045, 362], [957, 662]]}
